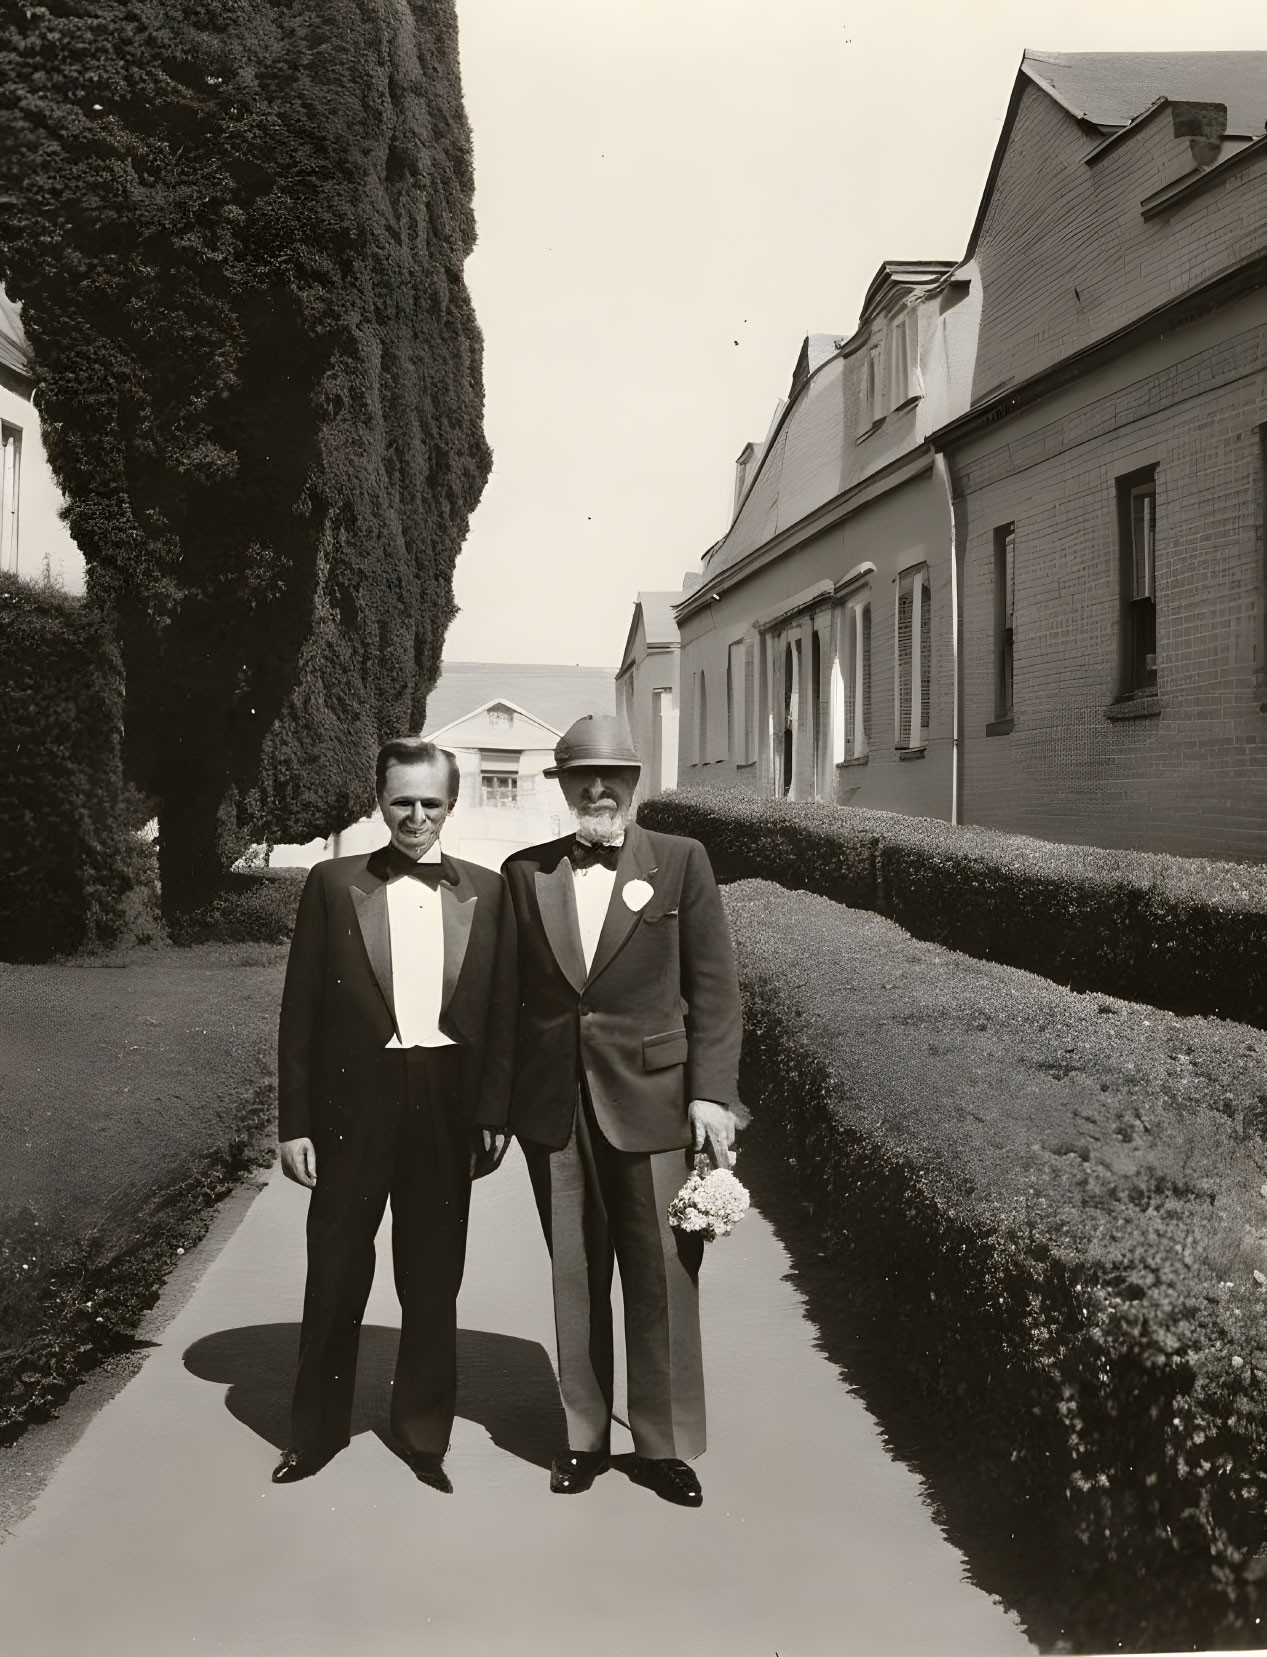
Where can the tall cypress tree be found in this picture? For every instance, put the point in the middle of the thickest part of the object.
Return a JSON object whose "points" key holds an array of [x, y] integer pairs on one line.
{"points": [[238, 232]]}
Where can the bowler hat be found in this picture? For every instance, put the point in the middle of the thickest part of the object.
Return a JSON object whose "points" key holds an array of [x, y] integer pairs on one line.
{"points": [[597, 739]]}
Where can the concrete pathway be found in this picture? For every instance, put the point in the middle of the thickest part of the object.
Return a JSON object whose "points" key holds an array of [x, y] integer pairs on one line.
{"points": [[160, 1533]]}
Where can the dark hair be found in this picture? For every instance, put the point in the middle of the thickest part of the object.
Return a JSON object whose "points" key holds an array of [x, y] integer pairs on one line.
{"points": [[414, 750]]}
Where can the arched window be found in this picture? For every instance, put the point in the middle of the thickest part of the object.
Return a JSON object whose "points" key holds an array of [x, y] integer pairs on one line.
{"points": [[816, 707]]}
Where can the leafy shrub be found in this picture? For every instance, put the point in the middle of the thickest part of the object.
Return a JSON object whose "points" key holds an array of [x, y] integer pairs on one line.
{"points": [[238, 234], [1051, 1204], [1179, 932], [254, 908], [66, 860]]}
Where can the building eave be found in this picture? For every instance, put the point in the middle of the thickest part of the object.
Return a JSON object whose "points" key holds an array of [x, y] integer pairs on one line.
{"points": [[493, 702], [1183, 189], [1220, 290], [892, 476]]}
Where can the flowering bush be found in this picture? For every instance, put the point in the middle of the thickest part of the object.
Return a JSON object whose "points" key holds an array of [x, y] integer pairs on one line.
{"points": [[711, 1202]]}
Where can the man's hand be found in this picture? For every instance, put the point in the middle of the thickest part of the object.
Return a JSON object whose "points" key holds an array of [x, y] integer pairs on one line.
{"points": [[488, 1147], [716, 1124], [299, 1161]]}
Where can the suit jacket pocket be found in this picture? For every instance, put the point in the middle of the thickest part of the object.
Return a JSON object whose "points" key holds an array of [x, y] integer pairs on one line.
{"points": [[659, 1052]]}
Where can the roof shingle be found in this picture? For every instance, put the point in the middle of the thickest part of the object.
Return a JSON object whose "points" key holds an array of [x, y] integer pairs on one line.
{"points": [[1110, 89], [556, 695]]}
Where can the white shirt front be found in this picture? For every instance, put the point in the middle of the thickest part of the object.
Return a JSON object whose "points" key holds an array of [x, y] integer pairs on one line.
{"points": [[416, 924], [593, 896]]}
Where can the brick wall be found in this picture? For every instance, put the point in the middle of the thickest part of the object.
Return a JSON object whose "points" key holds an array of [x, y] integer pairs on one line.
{"points": [[1065, 255], [1191, 778]]}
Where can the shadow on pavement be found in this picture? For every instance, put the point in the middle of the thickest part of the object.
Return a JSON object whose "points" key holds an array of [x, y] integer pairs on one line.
{"points": [[505, 1384]]}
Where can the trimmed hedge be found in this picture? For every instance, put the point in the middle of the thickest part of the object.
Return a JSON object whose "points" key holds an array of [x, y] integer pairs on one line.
{"points": [[1179, 932], [1053, 1206], [251, 908], [66, 856]]}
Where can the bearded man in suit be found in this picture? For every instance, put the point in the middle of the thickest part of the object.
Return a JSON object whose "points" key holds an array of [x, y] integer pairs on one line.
{"points": [[380, 1054], [619, 1059]]}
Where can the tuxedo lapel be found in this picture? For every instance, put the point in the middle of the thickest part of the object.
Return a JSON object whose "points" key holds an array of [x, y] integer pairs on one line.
{"points": [[556, 900], [370, 901], [636, 862], [457, 908]]}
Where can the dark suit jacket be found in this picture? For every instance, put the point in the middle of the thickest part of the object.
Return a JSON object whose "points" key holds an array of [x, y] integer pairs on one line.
{"points": [[338, 1012], [655, 1022]]}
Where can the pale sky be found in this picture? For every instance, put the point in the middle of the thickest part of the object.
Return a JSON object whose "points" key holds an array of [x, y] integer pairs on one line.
{"points": [[670, 195]]}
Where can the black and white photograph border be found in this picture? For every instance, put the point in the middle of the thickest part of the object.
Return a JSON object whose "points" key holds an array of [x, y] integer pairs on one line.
{"points": [[796, 478]]}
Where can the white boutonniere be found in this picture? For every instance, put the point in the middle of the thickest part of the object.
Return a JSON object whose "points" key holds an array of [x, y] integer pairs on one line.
{"points": [[637, 894]]}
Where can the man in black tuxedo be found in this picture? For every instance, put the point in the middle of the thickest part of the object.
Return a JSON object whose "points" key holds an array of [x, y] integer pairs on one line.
{"points": [[380, 1054], [618, 1058]]}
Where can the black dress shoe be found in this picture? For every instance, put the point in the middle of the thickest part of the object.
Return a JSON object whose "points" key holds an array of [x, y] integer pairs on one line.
{"points": [[575, 1470], [302, 1464], [672, 1480], [428, 1468]]}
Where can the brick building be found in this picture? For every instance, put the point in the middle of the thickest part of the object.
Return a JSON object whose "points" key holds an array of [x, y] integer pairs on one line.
{"points": [[1109, 476], [1013, 527]]}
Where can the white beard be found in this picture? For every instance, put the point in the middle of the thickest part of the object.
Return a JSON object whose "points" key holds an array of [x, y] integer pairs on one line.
{"points": [[601, 827]]}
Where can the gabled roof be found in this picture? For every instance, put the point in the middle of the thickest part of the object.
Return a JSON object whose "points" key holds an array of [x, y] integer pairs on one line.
{"points": [[1110, 89], [15, 353], [657, 617], [502, 704], [1107, 90], [658, 625], [554, 695]]}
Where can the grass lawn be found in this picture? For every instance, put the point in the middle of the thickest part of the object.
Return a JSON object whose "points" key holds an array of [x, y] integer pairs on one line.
{"points": [[137, 1089]]}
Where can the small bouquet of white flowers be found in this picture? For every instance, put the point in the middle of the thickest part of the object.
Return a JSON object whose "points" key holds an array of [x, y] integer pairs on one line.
{"points": [[712, 1202]]}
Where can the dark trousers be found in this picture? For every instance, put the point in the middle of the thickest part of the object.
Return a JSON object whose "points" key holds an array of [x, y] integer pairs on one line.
{"points": [[598, 1204], [406, 1140]]}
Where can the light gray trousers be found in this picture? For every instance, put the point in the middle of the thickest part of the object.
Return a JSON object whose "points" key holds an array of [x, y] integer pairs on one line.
{"points": [[599, 1205]]}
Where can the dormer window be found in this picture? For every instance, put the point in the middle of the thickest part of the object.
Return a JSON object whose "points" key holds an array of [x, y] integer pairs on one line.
{"points": [[904, 357], [871, 399]]}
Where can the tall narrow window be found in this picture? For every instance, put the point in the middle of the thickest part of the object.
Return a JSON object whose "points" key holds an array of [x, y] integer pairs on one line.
{"points": [[663, 740], [839, 668], [701, 718], [816, 707], [791, 714], [1137, 524], [871, 388], [1004, 606], [857, 676], [913, 655], [10, 476], [902, 656], [736, 704], [1261, 661], [901, 376], [752, 717], [920, 733]]}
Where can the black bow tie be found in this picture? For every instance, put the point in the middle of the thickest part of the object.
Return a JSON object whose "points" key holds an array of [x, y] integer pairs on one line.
{"points": [[431, 874], [584, 854]]}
